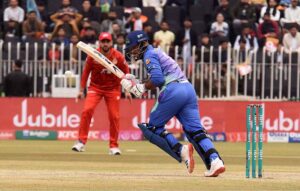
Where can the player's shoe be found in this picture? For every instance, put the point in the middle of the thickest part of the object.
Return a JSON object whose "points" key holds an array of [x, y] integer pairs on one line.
{"points": [[78, 147], [114, 151], [217, 167], [187, 157]]}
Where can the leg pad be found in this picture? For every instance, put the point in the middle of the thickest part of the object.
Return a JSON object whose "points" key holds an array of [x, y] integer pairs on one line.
{"points": [[159, 141], [195, 139]]}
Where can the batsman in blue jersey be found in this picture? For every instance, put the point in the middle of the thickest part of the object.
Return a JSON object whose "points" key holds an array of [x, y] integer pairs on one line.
{"points": [[177, 98]]}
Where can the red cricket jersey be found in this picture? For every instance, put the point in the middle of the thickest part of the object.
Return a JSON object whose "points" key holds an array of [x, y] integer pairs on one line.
{"points": [[101, 78]]}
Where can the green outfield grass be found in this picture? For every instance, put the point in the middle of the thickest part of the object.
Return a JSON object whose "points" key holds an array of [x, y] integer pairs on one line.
{"points": [[51, 165]]}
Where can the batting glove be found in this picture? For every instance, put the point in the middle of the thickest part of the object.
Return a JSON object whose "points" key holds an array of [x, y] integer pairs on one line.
{"points": [[129, 76], [138, 90], [127, 84]]}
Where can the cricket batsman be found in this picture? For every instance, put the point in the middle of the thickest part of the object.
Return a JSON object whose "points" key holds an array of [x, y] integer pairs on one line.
{"points": [[105, 85], [177, 98]]}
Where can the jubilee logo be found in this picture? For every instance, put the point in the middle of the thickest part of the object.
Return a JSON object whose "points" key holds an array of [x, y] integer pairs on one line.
{"points": [[45, 118], [282, 123]]}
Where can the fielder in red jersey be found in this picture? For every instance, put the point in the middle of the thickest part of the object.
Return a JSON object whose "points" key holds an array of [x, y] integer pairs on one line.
{"points": [[104, 84]]}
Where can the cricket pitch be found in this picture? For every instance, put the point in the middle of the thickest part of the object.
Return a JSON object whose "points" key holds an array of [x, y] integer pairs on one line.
{"points": [[51, 165]]}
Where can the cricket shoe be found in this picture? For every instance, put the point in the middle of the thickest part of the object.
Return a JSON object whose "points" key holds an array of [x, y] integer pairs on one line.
{"points": [[187, 156], [78, 147], [114, 151], [216, 167]]}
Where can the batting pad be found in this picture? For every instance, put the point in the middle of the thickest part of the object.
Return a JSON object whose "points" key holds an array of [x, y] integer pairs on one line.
{"points": [[158, 141]]}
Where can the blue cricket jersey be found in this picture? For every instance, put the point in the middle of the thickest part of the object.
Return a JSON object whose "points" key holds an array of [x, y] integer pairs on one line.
{"points": [[161, 67]]}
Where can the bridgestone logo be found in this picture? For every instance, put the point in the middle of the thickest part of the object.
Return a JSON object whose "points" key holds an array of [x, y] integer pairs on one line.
{"points": [[295, 135], [41, 134]]}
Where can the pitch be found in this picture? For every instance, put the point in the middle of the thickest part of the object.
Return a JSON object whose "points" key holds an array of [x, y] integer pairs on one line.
{"points": [[51, 165]]}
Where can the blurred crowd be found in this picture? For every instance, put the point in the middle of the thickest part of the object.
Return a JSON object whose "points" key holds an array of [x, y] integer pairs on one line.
{"points": [[249, 24]]}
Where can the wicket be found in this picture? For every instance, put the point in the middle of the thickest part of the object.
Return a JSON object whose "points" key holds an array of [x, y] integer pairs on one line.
{"points": [[251, 130]]}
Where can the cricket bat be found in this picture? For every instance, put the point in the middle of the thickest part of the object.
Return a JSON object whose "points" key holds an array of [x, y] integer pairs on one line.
{"points": [[100, 58]]}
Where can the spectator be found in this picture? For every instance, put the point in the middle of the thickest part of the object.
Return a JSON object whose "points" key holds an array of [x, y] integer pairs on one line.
{"points": [[89, 12], [45, 19], [242, 45], [135, 20], [219, 28], [68, 17], [14, 12], [84, 24], [13, 18], [219, 55], [268, 30], [89, 36], [223, 44], [12, 30], [187, 38], [32, 27], [147, 28], [68, 24], [116, 30], [120, 42], [180, 62], [291, 14], [258, 3], [164, 38], [54, 54], [105, 5], [250, 39], [243, 13], [291, 40], [205, 41], [17, 83], [271, 8], [106, 25], [61, 37], [74, 54], [204, 45], [242, 50], [158, 5], [67, 8], [225, 10], [74, 40], [286, 3]]}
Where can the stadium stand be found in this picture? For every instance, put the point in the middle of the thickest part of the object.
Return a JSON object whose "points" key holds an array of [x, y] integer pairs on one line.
{"points": [[195, 14], [202, 14], [132, 3]]}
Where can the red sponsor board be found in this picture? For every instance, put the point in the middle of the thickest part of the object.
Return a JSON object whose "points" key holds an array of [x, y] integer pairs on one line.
{"points": [[100, 135], [63, 115], [241, 137]]}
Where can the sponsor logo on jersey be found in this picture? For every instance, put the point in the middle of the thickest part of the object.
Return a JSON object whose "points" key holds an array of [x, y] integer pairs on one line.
{"points": [[115, 61], [147, 61]]}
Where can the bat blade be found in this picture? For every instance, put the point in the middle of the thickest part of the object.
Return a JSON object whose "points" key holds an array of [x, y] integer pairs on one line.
{"points": [[100, 58]]}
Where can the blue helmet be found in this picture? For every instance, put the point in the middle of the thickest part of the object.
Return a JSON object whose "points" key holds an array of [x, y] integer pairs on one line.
{"points": [[134, 38]]}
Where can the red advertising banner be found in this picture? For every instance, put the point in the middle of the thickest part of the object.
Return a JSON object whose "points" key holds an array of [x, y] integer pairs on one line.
{"points": [[63, 116]]}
